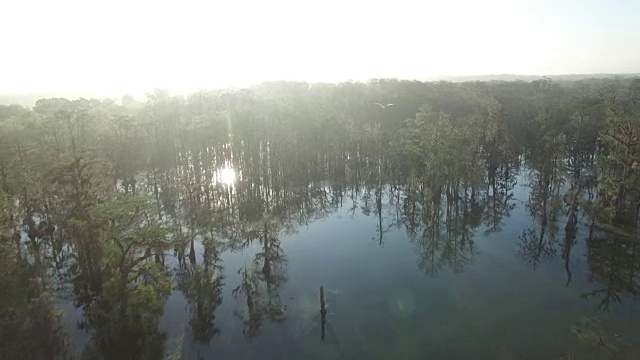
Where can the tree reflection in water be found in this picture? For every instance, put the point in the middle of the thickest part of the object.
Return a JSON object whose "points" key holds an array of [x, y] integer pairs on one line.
{"points": [[94, 195]]}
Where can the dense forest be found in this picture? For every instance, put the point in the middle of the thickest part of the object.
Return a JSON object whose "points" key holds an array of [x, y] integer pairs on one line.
{"points": [[96, 195]]}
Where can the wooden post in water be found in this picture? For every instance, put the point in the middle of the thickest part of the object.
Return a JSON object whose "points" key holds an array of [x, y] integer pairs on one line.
{"points": [[323, 311]]}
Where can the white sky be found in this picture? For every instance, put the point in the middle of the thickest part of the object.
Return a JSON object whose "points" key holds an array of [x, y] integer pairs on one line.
{"points": [[130, 46]]}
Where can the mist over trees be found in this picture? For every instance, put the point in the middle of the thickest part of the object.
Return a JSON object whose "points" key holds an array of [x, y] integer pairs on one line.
{"points": [[587, 125], [98, 192]]}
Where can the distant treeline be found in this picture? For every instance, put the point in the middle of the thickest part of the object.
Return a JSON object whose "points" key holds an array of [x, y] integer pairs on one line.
{"points": [[433, 130]]}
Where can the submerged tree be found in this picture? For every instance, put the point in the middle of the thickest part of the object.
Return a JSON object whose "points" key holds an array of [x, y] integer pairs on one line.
{"points": [[30, 324], [620, 194], [72, 171], [124, 317]]}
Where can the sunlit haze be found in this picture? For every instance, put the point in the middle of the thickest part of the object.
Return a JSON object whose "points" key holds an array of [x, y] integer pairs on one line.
{"points": [[135, 46], [226, 176]]}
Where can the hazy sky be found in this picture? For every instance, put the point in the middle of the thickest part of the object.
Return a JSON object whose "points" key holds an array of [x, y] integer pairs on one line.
{"points": [[134, 46]]}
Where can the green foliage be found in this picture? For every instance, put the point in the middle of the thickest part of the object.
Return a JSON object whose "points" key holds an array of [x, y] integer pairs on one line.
{"points": [[135, 286], [30, 324], [620, 166], [105, 190]]}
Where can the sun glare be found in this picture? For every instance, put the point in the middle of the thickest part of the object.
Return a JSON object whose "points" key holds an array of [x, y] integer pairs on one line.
{"points": [[226, 176]]}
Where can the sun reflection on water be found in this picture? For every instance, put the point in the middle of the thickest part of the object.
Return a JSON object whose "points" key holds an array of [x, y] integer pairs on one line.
{"points": [[226, 176]]}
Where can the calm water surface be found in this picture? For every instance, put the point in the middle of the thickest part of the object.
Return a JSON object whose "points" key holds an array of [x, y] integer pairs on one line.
{"points": [[404, 281]]}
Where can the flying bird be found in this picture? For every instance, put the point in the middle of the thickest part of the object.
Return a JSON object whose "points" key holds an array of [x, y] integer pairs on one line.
{"points": [[383, 106]]}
